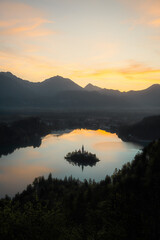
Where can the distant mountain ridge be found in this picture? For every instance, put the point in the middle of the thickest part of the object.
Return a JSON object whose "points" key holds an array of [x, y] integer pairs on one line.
{"points": [[91, 88], [47, 87], [59, 92]]}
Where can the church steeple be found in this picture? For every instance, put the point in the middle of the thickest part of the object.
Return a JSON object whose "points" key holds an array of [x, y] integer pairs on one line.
{"points": [[82, 149]]}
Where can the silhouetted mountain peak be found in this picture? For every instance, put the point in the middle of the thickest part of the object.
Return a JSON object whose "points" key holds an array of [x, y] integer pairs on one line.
{"points": [[90, 87], [8, 75], [56, 79], [154, 86], [112, 92], [11, 77], [59, 84], [153, 89]]}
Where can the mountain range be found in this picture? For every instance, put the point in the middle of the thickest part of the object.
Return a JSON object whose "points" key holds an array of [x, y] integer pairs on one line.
{"points": [[58, 92]]}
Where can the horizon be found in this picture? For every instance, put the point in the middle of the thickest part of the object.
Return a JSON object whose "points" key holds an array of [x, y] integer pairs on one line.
{"points": [[110, 44], [79, 84]]}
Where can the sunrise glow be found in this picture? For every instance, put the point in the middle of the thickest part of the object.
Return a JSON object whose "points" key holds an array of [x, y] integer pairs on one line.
{"points": [[111, 44]]}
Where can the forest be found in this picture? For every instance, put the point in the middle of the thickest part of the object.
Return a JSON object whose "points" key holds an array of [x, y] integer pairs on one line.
{"points": [[122, 206], [146, 129]]}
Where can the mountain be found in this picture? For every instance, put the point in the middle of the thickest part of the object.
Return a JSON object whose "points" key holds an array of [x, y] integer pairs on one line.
{"points": [[18, 92], [11, 85], [58, 92], [92, 88], [54, 85], [14, 91], [147, 97]]}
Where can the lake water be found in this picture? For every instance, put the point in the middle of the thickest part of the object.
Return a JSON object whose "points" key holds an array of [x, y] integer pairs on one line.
{"points": [[20, 168]]}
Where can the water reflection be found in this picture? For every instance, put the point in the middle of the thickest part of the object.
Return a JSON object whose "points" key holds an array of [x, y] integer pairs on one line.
{"points": [[33, 141], [19, 168], [112, 146], [82, 165], [15, 178]]}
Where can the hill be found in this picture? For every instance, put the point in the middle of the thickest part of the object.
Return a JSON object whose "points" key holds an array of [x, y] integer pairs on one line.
{"points": [[147, 129]]}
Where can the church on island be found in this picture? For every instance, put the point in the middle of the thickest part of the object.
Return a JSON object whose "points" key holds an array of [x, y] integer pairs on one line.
{"points": [[82, 157], [82, 151]]}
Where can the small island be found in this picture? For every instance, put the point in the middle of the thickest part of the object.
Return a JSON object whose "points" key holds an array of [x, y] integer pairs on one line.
{"points": [[82, 158]]}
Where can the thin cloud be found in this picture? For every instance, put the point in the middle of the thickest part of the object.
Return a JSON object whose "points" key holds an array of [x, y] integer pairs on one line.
{"points": [[155, 23], [32, 27], [8, 23], [147, 12], [23, 20], [10, 10], [130, 71], [137, 68]]}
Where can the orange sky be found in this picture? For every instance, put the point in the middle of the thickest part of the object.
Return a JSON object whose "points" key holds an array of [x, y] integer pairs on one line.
{"points": [[111, 44]]}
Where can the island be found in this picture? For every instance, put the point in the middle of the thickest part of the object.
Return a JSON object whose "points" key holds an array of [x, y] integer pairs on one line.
{"points": [[82, 158]]}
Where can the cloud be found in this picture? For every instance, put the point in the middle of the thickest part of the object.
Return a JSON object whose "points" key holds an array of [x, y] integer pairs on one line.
{"points": [[20, 61], [24, 31], [147, 12], [9, 23], [10, 10], [133, 71], [155, 23], [147, 7], [134, 76], [151, 7], [134, 68], [18, 19]]}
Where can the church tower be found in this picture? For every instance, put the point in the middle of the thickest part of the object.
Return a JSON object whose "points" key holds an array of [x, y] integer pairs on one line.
{"points": [[82, 149]]}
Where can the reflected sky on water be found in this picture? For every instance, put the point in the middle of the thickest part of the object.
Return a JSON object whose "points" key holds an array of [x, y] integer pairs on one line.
{"points": [[20, 168]]}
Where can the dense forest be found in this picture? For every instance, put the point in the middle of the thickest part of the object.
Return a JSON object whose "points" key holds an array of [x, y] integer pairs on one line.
{"points": [[22, 133], [146, 129], [123, 206]]}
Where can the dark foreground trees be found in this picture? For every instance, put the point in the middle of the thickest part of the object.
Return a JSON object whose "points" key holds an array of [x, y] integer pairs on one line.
{"points": [[124, 206]]}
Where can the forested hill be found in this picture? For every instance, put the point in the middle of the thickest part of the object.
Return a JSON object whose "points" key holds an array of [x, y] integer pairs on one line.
{"points": [[147, 129], [124, 206]]}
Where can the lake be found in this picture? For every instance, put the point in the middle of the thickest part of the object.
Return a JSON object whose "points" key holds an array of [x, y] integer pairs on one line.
{"points": [[20, 168]]}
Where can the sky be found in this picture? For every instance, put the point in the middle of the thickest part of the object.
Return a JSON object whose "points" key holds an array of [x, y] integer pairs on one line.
{"points": [[113, 44]]}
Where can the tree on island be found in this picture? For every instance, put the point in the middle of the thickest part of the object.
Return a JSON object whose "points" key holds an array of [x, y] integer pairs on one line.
{"points": [[82, 158]]}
